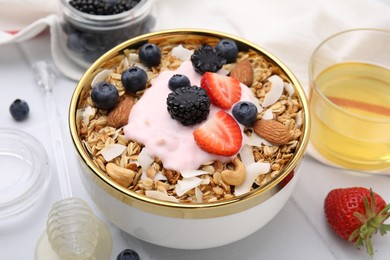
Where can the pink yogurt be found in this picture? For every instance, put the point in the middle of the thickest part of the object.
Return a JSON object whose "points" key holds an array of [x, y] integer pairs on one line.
{"points": [[150, 124]]}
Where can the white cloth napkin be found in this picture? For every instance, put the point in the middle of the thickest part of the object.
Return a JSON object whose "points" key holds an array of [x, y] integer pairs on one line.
{"points": [[289, 29]]}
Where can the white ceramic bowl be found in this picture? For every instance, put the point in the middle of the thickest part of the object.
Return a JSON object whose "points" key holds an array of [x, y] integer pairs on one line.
{"points": [[186, 226]]}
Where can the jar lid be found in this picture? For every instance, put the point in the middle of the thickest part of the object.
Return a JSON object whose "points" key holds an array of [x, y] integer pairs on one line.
{"points": [[24, 173]]}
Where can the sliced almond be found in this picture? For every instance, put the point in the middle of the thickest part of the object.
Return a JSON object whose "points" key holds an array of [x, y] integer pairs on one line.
{"points": [[273, 131], [243, 72], [119, 116]]}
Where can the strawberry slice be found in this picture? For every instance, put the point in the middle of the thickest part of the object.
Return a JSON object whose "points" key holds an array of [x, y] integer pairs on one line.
{"points": [[224, 91], [219, 135]]}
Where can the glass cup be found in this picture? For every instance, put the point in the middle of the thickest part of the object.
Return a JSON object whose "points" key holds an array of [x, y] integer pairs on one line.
{"points": [[349, 99]]}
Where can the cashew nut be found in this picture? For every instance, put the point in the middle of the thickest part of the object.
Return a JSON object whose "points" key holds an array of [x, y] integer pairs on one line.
{"points": [[235, 177], [122, 176]]}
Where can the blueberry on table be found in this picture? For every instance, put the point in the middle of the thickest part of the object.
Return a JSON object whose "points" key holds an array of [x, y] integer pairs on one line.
{"points": [[19, 109], [178, 81], [134, 79], [150, 54], [128, 254], [245, 113], [104, 95], [228, 49]]}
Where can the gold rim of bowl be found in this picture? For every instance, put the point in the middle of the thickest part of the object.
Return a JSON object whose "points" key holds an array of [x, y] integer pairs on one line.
{"points": [[172, 209]]}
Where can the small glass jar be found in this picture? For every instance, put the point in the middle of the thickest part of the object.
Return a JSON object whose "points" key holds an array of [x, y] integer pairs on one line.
{"points": [[85, 37]]}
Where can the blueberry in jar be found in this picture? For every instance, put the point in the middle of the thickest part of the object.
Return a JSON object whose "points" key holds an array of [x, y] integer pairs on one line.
{"points": [[103, 7], [134, 79], [228, 49], [245, 113], [128, 254], [105, 95], [150, 54], [178, 81], [19, 110]]}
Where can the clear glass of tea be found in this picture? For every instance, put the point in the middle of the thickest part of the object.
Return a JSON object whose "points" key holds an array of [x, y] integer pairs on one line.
{"points": [[350, 99]]}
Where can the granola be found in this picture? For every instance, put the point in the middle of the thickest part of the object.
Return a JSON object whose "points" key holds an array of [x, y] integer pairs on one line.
{"points": [[156, 181]]}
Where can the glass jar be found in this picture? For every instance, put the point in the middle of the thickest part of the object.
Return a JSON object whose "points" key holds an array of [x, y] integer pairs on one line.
{"points": [[25, 172], [85, 37]]}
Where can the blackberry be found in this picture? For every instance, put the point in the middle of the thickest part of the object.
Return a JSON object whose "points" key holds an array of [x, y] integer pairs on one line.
{"points": [[103, 7], [188, 105], [207, 58]]}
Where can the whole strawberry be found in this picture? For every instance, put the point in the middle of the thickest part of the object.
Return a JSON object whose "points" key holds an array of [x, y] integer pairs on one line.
{"points": [[356, 214]]}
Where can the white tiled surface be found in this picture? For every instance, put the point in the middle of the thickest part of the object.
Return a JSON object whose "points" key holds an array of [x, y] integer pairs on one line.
{"points": [[299, 231]]}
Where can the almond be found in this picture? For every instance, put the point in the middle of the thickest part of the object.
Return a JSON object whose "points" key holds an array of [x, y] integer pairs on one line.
{"points": [[272, 131], [243, 72], [119, 116]]}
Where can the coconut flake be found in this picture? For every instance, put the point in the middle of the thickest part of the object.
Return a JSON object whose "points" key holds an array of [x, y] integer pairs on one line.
{"points": [[160, 176], [133, 58], [192, 173], [256, 140], [205, 181], [155, 194], [101, 76], [289, 88], [144, 159], [246, 154], [85, 114], [111, 151], [252, 171], [187, 184], [268, 115], [198, 195], [182, 53], [275, 92], [298, 119], [116, 133]]}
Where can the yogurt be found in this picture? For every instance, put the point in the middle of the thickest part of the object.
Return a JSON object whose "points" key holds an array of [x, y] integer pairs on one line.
{"points": [[150, 124]]}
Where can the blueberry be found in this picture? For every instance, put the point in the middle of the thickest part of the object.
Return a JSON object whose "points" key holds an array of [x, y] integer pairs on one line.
{"points": [[178, 81], [134, 79], [19, 109], [245, 113], [104, 95], [150, 54], [128, 254], [228, 49], [74, 43]]}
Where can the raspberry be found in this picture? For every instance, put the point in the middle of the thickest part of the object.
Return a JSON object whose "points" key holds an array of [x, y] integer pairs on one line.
{"points": [[189, 105], [207, 58]]}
